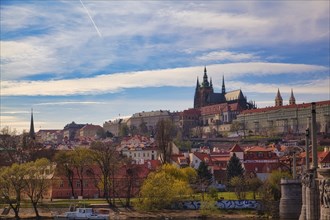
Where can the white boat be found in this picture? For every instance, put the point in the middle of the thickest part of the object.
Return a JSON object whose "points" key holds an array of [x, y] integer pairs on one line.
{"points": [[82, 213]]}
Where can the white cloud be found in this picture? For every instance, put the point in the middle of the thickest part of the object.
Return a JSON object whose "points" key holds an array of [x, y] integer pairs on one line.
{"points": [[71, 103], [228, 56], [65, 40], [155, 78]]}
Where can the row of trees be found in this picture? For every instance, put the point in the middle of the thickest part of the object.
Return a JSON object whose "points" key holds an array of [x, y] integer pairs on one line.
{"points": [[31, 179]]}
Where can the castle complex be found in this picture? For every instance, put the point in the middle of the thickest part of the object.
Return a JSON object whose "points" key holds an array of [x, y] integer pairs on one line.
{"points": [[216, 111], [205, 95]]}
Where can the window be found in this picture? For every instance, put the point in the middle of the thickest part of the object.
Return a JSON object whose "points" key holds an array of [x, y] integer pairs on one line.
{"points": [[78, 184], [61, 184]]}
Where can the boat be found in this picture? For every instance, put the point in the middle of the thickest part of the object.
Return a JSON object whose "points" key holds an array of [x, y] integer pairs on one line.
{"points": [[81, 213]]}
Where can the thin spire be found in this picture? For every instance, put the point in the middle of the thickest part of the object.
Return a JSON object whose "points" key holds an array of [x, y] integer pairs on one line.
{"points": [[205, 81], [197, 84], [31, 133], [223, 85], [292, 99], [211, 85], [278, 98]]}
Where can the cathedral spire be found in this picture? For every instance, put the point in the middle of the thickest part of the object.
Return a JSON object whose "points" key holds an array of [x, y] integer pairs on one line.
{"points": [[205, 80], [223, 85], [197, 84], [292, 100], [31, 133]]}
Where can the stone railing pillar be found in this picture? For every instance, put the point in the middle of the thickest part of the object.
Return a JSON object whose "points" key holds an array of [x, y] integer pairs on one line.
{"points": [[290, 203], [312, 196]]}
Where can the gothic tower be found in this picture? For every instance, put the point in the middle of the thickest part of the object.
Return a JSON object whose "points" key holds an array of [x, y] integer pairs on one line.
{"points": [[278, 99], [292, 100], [32, 133], [223, 85], [203, 91]]}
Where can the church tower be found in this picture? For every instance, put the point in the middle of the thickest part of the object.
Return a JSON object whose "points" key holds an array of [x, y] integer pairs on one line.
{"points": [[278, 99], [292, 100], [203, 91], [32, 133]]}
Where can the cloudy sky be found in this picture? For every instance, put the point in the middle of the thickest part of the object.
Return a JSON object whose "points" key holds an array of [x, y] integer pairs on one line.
{"points": [[92, 61]]}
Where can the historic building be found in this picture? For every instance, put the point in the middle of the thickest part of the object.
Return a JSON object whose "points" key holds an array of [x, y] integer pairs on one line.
{"points": [[205, 95], [213, 111], [287, 119]]}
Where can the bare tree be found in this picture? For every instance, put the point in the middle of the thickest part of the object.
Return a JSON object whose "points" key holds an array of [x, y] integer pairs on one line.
{"points": [[107, 159], [165, 132], [65, 166]]}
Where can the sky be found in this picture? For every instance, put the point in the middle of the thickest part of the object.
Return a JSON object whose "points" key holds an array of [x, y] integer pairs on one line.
{"points": [[94, 61]]}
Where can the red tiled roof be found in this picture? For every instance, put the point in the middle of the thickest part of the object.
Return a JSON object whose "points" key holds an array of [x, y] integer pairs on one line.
{"points": [[88, 126], [202, 156], [236, 148], [258, 149], [192, 111], [267, 109]]}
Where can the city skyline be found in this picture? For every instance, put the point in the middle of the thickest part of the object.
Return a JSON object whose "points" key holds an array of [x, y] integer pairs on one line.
{"points": [[93, 61]]}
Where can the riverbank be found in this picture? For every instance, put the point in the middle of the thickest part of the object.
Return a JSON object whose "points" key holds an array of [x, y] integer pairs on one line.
{"points": [[122, 213]]}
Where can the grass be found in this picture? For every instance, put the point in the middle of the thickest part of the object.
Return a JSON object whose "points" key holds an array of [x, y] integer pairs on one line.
{"points": [[226, 196], [65, 203]]}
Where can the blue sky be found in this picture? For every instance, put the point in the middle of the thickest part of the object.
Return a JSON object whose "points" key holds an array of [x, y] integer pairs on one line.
{"points": [[91, 61]]}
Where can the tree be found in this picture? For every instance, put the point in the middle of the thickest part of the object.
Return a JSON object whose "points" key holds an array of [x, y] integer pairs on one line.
{"points": [[132, 171], [82, 160], [204, 177], [107, 159], [11, 186], [143, 129], [239, 185], [254, 184], [65, 166], [234, 167], [165, 186], [274, 181], [123, 130], [37, 180], [165, 132]]}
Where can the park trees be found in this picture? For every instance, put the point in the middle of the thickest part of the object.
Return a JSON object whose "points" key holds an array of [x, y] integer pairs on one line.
{"points": [[107, 159], [65, 166], [254, 184], [165, 132], [82, 161], [12, 185], [37, 180], [165, 186], [204, 177]]}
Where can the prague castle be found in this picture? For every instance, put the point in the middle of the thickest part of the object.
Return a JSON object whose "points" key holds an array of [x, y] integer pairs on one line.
{"points": [[205, 95]]}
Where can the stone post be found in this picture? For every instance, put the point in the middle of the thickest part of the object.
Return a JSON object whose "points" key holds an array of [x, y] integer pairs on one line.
{"points": [[314, 137], [290, 203], [303, 198], [324, 187], [312, 196], [307, 149]]}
